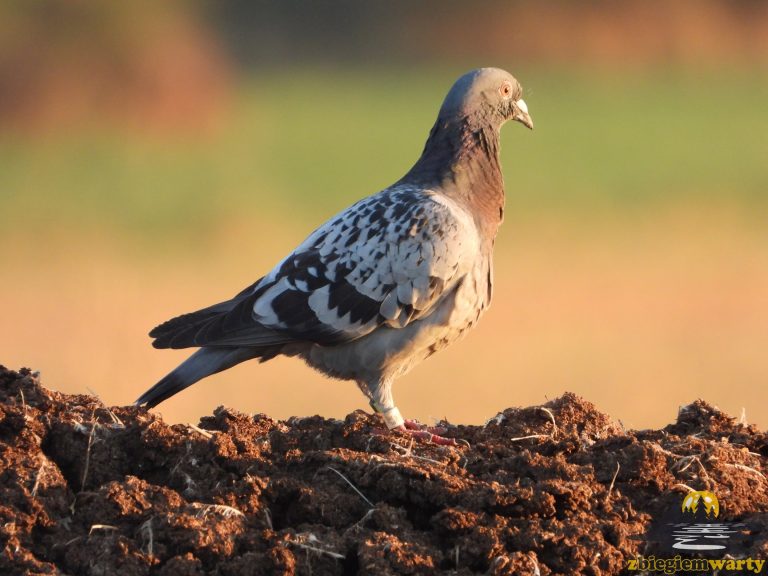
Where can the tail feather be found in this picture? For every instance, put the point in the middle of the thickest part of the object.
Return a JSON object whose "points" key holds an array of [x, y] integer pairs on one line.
{"points": [[193, 321], [227, 324], [200, 317], [202, 363]]}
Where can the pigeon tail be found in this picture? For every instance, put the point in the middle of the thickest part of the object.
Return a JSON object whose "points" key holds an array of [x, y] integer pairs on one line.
{"points": [[165, 332], [202, 363]]}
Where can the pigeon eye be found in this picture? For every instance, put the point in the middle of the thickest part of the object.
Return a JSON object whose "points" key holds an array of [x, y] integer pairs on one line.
{"points": [[506, 90]]}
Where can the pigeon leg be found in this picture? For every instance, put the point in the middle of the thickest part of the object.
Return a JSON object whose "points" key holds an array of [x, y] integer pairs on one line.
{"points": [[383, 403]]}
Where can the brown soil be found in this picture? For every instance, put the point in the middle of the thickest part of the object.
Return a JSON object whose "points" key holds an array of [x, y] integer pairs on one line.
{"points": [[91, 490]]}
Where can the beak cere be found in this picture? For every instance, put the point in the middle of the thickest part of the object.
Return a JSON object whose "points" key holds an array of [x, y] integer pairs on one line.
{"points": [[521, 114]]}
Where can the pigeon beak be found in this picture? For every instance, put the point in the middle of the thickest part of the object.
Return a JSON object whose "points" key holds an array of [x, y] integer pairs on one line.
{"points": [[521, 114]]}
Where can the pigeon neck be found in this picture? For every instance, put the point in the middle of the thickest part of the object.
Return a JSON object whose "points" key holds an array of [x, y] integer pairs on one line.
{"points": [[461, 160]]}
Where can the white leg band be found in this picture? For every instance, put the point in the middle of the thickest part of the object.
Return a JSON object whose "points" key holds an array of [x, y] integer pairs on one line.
{"points": [[392, 418]]}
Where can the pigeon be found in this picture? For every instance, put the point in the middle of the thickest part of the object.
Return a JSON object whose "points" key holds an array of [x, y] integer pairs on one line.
{"points": [[384, 284]]}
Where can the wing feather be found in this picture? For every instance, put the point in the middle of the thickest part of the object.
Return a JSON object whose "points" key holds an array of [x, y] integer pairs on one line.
{"points": [[387, 260]]}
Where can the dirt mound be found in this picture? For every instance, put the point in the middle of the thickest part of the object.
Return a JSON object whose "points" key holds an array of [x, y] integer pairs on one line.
{"points": [[557, 489]]}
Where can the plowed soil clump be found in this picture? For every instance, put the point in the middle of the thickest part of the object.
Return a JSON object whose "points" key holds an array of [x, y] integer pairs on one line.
{"points": [[554, 489]]}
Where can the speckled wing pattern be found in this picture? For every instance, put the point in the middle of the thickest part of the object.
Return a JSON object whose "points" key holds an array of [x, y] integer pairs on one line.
{"points": [[386, 260]]}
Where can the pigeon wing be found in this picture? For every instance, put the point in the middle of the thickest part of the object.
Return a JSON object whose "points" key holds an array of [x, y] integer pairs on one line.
{"points": [[387, 260]]}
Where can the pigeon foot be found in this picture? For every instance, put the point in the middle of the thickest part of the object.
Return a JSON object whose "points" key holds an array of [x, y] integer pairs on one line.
{"points": [[416, 425], [430, 435]]}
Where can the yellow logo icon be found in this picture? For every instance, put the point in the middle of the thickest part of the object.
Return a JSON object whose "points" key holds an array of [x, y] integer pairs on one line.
{"points": [[692, 499]]}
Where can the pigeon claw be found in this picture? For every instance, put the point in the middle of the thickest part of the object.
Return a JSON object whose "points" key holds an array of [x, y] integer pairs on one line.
{"points": [[430, 435], [416, 425]]}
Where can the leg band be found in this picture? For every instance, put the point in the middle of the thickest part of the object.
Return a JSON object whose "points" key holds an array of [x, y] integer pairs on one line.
{"points": [[392, 417]]}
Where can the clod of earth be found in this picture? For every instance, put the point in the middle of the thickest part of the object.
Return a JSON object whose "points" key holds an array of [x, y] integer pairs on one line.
{"points": [[555, 489]]}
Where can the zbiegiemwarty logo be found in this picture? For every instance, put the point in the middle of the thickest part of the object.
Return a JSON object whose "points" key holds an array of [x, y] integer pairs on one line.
{"points": [[697, 540]]}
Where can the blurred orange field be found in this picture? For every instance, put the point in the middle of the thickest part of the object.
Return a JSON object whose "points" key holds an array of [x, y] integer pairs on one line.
{"points": [[638, 315]]}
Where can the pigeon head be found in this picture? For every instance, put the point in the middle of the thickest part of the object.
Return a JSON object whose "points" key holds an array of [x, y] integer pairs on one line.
{"points": [[461, 156], [486, 96]]}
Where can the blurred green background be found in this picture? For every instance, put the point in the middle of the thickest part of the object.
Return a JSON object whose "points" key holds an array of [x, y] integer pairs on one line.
{"points": [[154, 160]]}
